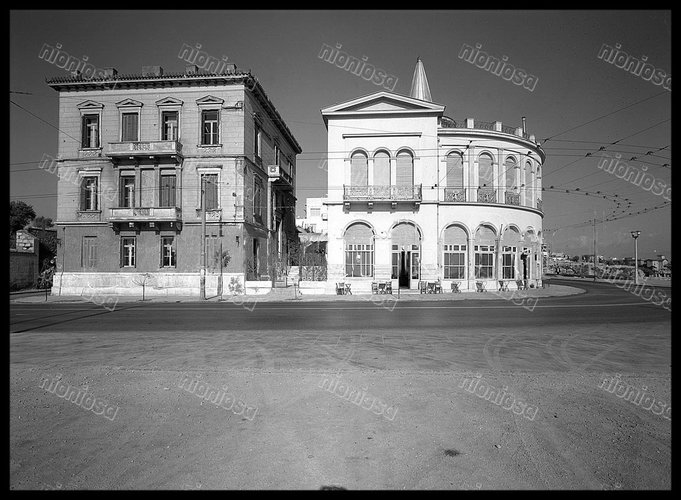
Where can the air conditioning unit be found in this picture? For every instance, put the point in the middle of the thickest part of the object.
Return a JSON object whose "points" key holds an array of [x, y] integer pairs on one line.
{"points": [[325, 216], [273, 170]]}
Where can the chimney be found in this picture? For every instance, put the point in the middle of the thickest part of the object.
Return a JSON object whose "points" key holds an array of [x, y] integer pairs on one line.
{"points": [[192, 69], [230, 68], [152, 71]]}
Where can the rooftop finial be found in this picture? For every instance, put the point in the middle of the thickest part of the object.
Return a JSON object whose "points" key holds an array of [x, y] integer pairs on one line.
{"points": [[419, 83]]}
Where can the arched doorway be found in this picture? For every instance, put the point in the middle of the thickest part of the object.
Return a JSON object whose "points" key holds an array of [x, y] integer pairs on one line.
{"points": [[406, 254]]}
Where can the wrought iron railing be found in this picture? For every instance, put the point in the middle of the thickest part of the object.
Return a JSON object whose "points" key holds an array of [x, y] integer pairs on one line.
{"points": [[512, 198], [455, 194], [487, 195], [377, 193]]}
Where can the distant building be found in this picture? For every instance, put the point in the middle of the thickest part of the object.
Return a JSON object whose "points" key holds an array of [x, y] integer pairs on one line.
{"points": [[133, 162], [316, 216]]}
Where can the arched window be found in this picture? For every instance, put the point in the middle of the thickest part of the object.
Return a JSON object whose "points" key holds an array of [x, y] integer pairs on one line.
{"points": [[529, 185], [485, 171], [509, 173], [510, 243], [381, 169], [484, 246], [404, 172], [359, 250], [454, 170], [359, 170], [454, 258]]}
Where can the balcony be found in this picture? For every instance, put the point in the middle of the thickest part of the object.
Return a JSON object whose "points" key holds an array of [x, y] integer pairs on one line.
{"points": [[455, 194], [487, 195], [372, 194], [145, 150], [279, 176], [145, 214], [512, 198]]}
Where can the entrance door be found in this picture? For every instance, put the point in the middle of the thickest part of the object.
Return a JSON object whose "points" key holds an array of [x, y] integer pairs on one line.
{"points": [[405, 259], [408, 266]]}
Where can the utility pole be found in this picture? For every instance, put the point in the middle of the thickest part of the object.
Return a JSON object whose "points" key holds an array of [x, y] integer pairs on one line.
{"points": [[202, 290], [595, 256]]}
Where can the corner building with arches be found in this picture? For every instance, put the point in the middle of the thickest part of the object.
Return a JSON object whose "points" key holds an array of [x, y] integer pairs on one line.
{"points": [[415, 195]]}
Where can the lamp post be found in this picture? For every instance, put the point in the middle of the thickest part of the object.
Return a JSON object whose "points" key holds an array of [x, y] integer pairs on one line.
{"points": [[635, 235]]}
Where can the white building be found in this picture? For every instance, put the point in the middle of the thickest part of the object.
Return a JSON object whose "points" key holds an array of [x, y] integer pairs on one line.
{"points": [[414, 195], [316, 216]]}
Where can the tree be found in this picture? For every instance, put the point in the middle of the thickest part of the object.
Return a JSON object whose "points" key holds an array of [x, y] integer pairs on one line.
{"points": [[43, 222], [20, 214]]}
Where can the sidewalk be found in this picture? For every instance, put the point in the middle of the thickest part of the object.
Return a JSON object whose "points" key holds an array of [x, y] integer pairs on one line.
{"points": [[405, 295]]}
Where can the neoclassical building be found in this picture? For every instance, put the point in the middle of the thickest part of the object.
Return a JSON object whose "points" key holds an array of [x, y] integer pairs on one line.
{"points": [[415, 195], [150, 163]]}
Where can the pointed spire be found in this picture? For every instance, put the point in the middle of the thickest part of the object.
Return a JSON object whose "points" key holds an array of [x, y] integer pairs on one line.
{"points": [[419, 84]]}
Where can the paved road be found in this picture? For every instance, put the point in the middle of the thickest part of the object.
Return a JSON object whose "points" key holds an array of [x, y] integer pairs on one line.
{"points": [[414, 356]]}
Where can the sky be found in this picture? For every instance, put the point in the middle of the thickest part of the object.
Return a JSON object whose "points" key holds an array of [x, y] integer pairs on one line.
{"points": [[580, 103]]}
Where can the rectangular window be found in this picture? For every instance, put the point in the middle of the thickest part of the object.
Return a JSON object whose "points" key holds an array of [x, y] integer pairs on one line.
{"points": [[88, 193], [455, 262], [257, 144], [168, 252], [167, 195], [359, 260], [210, 186], [90, 131], [128, 248], [257, 198], [209, 127], [508, 263], [484, 261], [276, 154], [127, 191], [169, 125], [395, 263], [88, 257], [129, 127], [315, 212]]}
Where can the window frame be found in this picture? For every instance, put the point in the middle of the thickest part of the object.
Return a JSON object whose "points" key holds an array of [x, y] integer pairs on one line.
{"points": [[461, 251], [124, 254], [88, 262], [173, 252], [202, 123], [488, 252]]}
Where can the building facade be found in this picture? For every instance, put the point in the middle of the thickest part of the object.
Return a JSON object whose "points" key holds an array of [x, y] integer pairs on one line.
{"points": [[138, 155], [316, 216], [414, 195]]}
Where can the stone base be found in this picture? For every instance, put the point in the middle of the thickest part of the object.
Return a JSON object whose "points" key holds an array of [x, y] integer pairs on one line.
{"points": [[157, 284]]}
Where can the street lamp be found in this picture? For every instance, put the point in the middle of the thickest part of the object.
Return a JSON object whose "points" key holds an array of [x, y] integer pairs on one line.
{"points": [[635, 235]]}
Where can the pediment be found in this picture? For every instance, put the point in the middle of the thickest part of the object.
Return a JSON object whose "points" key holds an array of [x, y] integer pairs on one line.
{"points": [[129, 103], [169, 101], [209, 99], [383, 103], [90, 105]]}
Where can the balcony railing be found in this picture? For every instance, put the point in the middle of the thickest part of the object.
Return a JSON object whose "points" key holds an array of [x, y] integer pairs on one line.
{"points": [[145, 214], [512, 198], [487, 195], [447, 122], [382, 193], [455, 194], [144, 148]]}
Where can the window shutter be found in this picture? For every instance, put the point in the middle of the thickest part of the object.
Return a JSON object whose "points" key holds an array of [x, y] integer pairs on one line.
{"points": [[404, 171], [358, 170]]}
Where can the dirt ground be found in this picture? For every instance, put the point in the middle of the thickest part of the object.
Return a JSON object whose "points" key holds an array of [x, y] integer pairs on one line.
{"points": [[305, 437]]}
